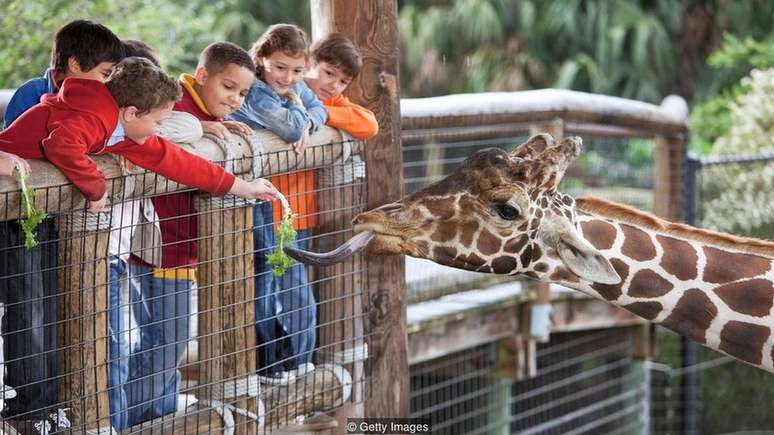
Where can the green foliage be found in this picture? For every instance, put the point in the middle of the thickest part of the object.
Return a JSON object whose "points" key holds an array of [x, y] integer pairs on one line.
{"points": [[285, 235], [178, 30], [711, 118], [34, 217]]}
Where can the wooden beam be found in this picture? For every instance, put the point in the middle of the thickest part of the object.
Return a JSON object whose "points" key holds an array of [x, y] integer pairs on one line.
{"points": [[83, 280], [372, 25]]}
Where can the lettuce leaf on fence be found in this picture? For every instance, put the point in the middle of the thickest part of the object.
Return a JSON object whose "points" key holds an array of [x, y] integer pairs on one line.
{"points": [[34, 217], [285, 235]]}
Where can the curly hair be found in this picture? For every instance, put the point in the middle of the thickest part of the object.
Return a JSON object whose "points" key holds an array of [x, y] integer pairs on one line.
{"points": [[135, 81]]}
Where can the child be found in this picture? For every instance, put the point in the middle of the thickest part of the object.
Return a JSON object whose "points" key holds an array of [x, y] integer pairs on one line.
{"points": [[137, 48], [80, 49], [281, 102], [336, 62], [221, 81], [120, 116]]}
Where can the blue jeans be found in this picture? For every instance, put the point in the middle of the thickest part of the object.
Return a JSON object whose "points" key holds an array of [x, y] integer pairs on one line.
{"points": [[118, 366], [285, 311], [162, 309]]}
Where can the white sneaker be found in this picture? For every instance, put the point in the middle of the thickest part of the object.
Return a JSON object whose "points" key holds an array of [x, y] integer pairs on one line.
{"points": [[302, 370], [279, 378]]}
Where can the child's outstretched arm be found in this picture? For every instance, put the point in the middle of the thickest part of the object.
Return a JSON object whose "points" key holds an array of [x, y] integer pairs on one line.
{"points": [[260, 188]]}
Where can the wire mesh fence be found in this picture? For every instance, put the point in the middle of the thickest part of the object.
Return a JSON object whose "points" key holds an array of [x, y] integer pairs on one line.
{"points": [[586, 383], [161, 314]]}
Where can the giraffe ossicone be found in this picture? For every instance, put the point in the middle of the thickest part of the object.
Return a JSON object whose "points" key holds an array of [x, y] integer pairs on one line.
{"points": [[501, 213]]}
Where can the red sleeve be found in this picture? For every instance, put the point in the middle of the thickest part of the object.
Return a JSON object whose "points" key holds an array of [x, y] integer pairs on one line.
{"points": [[352, 118], [67, 146], [169, 160]]}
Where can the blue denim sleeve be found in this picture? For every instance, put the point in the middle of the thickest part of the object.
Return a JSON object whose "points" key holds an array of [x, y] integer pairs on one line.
{"points": [[314, 107], [25, 97], [263, 110]]}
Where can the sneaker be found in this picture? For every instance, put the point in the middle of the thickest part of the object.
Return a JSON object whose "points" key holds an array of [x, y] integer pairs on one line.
{"points": [[60, 418], [302, 370], [313, 423], [279, 378]]}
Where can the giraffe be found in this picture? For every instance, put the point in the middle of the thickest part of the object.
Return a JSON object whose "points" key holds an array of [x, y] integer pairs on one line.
{"points": [[501, 213]]}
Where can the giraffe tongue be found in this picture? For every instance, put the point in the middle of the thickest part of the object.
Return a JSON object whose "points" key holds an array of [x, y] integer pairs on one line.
{"points": [[351, 246]]}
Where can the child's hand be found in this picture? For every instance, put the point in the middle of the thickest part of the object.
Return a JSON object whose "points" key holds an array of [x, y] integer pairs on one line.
{"points": [[294, 99], [97, 206], [260, 188], [239, 128], [216, 128], [9, 161], [301, 145]]}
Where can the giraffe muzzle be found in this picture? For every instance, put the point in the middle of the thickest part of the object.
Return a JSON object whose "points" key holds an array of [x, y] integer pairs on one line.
{"points": [[346, 250]]}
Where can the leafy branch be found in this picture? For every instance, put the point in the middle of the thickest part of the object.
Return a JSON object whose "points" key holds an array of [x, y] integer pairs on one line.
{"points": [[34, 217], [285, 235]]}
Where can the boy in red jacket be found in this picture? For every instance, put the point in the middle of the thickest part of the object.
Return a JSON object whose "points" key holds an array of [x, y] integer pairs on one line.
{"points": [[120, 117], [218, 87]]}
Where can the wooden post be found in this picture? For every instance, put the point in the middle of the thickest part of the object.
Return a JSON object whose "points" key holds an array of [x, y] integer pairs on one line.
{"points": [[372, 25], [83, 280], [668, 173], [226, 312]]}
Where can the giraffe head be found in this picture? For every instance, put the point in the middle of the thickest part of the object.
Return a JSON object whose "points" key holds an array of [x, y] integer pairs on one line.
{"points": [[496, 213]]}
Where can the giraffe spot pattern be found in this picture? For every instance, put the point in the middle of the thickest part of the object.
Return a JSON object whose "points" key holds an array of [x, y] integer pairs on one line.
{"points": [[526, 256], [467, 231], [744, 340], [611, 292], [444, 232], [647, 310], [504, 264], [648, 284], [540, 267], [515, 245], [563, 274], [488, 243], [692, 315], [753, 297], [637, 244], [723, 266], [442, 208], [679, 259], [600, 234], [537, 253]]}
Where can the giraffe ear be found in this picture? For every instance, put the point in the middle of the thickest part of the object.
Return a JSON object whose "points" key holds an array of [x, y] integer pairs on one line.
{"points": [[576, 253]]}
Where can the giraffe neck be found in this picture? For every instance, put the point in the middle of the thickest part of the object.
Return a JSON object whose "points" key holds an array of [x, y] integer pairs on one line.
{"points": [[714, 294]]}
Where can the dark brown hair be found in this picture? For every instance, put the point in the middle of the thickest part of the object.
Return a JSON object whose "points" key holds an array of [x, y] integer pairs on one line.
{"points": [[134, 47], [287, 38], [88, 43], [137, 82], [338, 50], [218, 55]]}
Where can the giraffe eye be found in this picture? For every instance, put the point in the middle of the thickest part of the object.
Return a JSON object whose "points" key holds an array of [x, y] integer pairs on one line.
{"points": [[507, 211]]}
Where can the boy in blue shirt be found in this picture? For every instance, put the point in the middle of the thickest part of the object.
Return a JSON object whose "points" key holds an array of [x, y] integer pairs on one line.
{"points": [[82, 49], [28, 278]]}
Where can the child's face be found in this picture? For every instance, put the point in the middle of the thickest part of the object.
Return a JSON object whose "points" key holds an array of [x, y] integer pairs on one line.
{"points": [[327, 81], [140, 127], [281, 71], [100, 72], [223, 93]]}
